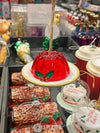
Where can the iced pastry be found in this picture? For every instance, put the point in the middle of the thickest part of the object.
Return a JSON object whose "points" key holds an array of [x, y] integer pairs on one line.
{"points": [[87, 120], [75, 96]]}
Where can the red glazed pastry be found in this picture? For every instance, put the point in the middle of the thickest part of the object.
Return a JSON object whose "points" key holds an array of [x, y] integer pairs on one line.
{"points": [[32, 113], [44, 129], [20, 94], [50, 67]]}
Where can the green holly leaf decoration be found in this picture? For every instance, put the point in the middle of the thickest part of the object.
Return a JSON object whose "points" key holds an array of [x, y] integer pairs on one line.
{"points": [[74, 100], [78, 100], [97, 131], [66, 97], [83, 116], [55, 43], [40, 75], [82, 128], [50, 74], [71, 86], [29, 127], [12, 129], [16, 106], [82, 121], [35, 98], [87, 131], [45, 98], [56, 116], [30, 103], [45, 119]]}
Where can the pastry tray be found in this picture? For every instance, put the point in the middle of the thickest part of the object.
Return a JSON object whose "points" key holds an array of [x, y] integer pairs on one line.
{"points": [[36, 48], [5, 114]]}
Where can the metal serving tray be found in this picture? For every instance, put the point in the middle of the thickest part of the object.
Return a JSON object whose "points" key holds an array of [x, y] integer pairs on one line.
{"points": [[5, 115]]}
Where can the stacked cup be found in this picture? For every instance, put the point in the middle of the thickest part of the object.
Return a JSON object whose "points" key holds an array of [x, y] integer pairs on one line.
{"points": [[93, 67], [83, 55]]}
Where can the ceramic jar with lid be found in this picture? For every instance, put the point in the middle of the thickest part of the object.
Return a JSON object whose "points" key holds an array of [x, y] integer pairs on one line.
{"points": [[93, 78]]}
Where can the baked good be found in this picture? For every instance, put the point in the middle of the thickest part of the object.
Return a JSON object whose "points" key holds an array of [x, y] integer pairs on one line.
{"points": [[3, 53], [87, 120], [20, 94], [34, 112], [75, 96], [17, 79], [50, 67], [45, 129]]}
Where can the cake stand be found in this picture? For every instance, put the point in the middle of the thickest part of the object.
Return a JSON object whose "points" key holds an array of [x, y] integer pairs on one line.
{"points": [[64, 105], [69, 124], [73, 76]]}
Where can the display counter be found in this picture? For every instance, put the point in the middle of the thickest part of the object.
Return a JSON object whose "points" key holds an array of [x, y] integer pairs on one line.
{"points": [[14, 64]]}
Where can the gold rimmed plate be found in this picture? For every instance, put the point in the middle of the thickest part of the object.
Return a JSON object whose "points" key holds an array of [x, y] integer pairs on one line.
{"points": [[73, 76]]}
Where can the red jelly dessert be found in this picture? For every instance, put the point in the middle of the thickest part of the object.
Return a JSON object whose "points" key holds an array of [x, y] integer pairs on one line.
{"points": [[50, 67]]}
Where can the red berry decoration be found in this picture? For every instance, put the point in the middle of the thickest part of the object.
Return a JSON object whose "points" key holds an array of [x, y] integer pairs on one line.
{"points": [[40, 101], [51, 121]]}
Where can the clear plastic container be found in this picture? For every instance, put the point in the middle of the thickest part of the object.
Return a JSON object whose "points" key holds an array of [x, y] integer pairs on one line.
{"points": [[76, 94], [19, 20]]}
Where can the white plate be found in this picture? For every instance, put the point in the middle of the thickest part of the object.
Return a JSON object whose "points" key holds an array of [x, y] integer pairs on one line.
{"points": [[64, 105], [73, 76], [69, 124]]}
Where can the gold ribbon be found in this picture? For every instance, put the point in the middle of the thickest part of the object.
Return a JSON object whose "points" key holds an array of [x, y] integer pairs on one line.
{"points": [[84, 72]]}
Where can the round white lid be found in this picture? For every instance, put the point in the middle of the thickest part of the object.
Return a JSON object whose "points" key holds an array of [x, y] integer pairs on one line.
{"points": [[93, 66], [86, 52]]}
